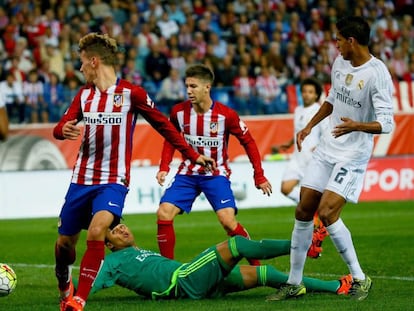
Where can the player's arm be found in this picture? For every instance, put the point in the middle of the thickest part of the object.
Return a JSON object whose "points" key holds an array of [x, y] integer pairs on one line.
{"points": [[384, 115], [163, 126], [324, 111], [66, 127], [239, 129]]}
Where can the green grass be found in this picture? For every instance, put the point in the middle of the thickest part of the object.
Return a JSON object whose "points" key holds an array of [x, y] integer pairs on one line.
{"points": [[382, 232]]}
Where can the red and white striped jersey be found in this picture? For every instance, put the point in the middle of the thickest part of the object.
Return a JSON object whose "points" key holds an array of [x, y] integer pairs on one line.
{"points": [[209, 134], [109, 121]]}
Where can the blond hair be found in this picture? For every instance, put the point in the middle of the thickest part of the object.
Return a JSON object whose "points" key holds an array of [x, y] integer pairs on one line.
{"points": [[100, 45]]}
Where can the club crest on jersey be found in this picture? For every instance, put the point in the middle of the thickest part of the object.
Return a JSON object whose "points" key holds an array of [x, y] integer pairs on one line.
{"points": [[348, 79], [118, 100], [213, 127]]}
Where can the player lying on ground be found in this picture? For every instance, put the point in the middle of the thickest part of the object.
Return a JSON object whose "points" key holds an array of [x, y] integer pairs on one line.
{"points": [[211, 274]]}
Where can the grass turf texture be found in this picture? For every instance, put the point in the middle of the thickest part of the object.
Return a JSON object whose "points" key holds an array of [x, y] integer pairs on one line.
{"points": [[382, 233]]}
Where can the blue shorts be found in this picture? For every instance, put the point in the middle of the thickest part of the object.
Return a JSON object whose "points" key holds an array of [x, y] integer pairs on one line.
{"points": [[184, 189], [83, 201]]}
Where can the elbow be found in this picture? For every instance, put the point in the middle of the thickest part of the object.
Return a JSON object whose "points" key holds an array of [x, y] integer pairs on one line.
{"points": [[387, 126]]}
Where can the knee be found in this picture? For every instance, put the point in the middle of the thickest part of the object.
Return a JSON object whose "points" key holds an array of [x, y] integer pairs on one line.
{"points": [[229, 223], [167, 211], [97, 233]]}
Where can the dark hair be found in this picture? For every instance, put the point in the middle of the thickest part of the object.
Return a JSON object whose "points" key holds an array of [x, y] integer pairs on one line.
{"points": [[201, 72], [316, 85], [356, 27]]}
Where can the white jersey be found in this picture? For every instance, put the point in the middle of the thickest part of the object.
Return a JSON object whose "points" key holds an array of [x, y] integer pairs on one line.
{"points": [[300, 159], [302, 116], [363, 94]]}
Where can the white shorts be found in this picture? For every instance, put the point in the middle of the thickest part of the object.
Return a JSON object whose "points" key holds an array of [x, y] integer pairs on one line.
{"points": [[343, 178], [295, 169]]}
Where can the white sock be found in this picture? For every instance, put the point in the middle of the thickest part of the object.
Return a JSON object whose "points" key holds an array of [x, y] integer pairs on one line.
{"points": [[294, 194], [341, 238], [300, 243]]}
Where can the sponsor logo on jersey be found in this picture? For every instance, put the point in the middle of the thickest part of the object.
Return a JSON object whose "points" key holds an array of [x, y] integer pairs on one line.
{"points": [[213, 127], [102, 118], [361, 84], [202, 141], [348, 79], [118, 100]]}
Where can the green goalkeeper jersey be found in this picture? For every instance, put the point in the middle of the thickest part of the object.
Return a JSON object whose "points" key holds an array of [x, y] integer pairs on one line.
{"points": [[145, 272]]}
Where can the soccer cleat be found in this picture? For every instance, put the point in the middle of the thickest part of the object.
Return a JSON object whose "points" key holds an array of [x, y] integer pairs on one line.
{"points": [[287, 291], [319, 234], [254, 262], [345, 285], [75, 304], [66, 295], [360, 288]]}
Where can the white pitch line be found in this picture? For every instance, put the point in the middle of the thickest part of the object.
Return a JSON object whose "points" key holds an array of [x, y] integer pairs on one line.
{"points": [[398, 278]]}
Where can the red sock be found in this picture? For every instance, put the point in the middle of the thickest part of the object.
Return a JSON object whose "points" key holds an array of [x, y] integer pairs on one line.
{"points": [[240, 230], [64, 258], [166, 238], [89, 268]]}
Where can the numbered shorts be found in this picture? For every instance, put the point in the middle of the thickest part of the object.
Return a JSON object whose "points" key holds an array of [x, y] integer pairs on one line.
{"points": [[83, 201], [343, 178]]}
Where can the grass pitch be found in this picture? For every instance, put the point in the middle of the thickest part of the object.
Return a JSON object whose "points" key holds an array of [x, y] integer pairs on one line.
{"points": [[382, 232]]}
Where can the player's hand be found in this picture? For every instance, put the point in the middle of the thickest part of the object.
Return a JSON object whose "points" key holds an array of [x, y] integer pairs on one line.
{"points": [[346, 127], [161, 177], [266, 188], [70, 130], [300, 136], [208, 163]]}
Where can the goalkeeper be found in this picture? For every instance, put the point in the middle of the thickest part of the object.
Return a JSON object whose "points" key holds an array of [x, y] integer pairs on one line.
{"points": [[211, 274]]}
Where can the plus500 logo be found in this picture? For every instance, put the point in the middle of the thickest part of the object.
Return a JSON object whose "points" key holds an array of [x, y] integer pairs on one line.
{"points": [[102, 118]]}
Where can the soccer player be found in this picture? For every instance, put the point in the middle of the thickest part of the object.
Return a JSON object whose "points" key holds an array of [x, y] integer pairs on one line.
{"points": [[206, 126], [211, 274], [311, 91], [108, 107], [359, 104], [4, 119]]}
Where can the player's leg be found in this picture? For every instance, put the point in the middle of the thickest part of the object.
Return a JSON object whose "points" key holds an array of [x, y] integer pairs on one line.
{"points": [[218, 192], [165, 228], [246, 277], [345, 185], [73, 213], [107, 205], [65, 255], [291, 189], [230, 252], [177, 198]]}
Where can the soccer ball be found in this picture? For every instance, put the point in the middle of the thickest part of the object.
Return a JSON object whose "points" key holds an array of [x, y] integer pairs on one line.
{"points": [[8, 279]]}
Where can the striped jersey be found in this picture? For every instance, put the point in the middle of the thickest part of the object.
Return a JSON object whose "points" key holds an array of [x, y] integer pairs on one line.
{"points": [[208, 134], [363, 94], [109, 119]]}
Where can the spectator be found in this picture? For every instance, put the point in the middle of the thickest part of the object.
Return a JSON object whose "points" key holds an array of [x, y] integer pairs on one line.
{"points": [[269, 92], [156, 64], [12, 93], [171, 91], [167, 26], [33, 90], [54, 97], [244, 90]]}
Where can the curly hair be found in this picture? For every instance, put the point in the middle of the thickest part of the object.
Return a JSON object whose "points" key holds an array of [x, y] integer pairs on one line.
{"points": [[95, 44]]}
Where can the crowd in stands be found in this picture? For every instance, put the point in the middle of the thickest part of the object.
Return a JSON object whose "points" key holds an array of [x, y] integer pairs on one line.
{"points": [[256, 47]]}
